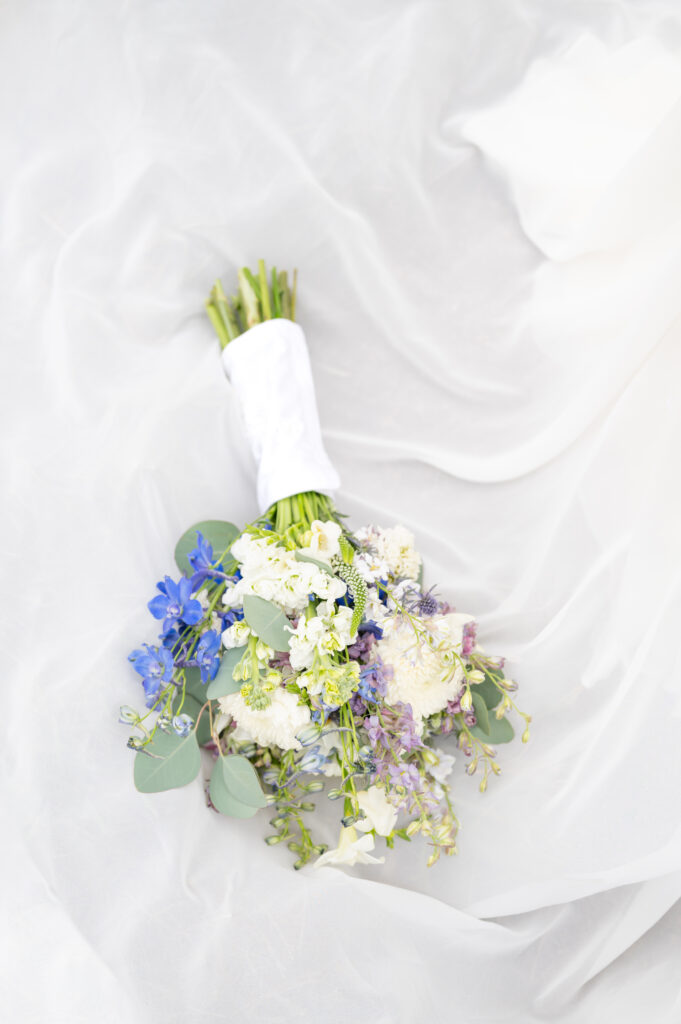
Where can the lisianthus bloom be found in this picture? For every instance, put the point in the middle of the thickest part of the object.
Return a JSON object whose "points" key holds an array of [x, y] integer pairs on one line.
{"points": [[175, 604], [322, 541], [381, 816], [352, 849]]}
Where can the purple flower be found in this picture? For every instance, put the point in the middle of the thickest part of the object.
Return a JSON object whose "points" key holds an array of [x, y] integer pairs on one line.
{"points": [[206, 655], [407, 735], [155, 665], [175, 604], [375, 731], [469, 634], [406, 775]]}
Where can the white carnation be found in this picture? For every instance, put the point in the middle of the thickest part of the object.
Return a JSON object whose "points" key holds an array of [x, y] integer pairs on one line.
{"points": [[276, 725], [421, 677]]}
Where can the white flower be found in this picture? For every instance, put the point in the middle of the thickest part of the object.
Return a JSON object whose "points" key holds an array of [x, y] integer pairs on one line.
{"points": [[329, 743], [443, 769], [236, 635], [323, 541], [396, 547], [351, 850], [380, 813], [425, 678], [326, 632], [272, 572], [276, 725]]}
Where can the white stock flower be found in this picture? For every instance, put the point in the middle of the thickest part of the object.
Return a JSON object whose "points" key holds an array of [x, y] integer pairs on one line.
{"points": [[323, 543], [276, 725], [272, 572], [380, 813], [326, 632], [351, 850], [236, 635]]}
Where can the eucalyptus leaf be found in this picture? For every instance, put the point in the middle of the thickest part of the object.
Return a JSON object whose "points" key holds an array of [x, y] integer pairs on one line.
{"points": [[490, 693], [224, 682], [324, 566], [175, 762], [223, 799], [241, 780], [267, 622], [500, 731], [220, 534], [480, 711]]}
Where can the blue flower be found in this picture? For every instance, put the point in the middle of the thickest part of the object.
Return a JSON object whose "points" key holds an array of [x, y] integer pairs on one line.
{"points": [[206, 655], [155, 665], [182, 724], [175, 604], [203, 562], [231, 616], [371, 627]]}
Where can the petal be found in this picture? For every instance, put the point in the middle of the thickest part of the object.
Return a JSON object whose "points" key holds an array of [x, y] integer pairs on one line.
{"points": [[158, 605]]}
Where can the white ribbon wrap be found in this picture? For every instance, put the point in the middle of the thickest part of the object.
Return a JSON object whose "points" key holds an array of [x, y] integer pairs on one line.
{"points": [[269, 368]]}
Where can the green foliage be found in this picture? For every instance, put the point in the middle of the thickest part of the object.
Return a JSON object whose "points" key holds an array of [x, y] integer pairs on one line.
{"points": [[235, 788], [500, 731], [357, 588], [480, 711], [168, 762], [490, 693], [224, 682], [267, 622], [220, 534]]}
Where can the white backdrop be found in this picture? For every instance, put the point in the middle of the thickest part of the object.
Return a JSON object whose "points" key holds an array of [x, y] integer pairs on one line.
{"points": [[483, 201]]}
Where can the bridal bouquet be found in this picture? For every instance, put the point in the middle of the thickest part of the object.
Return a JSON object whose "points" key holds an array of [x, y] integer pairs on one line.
{"points": [[302, 656]]}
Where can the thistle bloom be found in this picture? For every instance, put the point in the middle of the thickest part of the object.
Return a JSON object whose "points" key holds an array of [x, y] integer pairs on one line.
{"points": [[175, 604], [155, 665]]}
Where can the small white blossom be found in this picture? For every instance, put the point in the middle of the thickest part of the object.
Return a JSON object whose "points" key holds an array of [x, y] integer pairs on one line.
{"points": [[323, 541], [380, 813], [443, 769], [351, 850], [236, 635], [326, 632]]}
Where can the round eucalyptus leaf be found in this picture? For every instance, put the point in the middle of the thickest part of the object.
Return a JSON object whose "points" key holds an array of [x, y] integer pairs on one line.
{"points": [[267, 622], [241, 780], [174, 762], [220, 534], [224, 682], [480, 711], [500, 731], [490, 693], [222, 799]]}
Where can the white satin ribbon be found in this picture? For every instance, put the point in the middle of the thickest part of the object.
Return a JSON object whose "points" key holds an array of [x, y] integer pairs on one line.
{"points": [[269, 368]]}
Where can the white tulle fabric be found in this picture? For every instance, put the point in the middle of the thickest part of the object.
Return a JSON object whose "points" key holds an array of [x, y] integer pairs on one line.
{"points": [[269, 368], [483, 201]]}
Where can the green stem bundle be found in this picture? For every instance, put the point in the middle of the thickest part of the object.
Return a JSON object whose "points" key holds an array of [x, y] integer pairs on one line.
{"points": [[259, 297]]}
